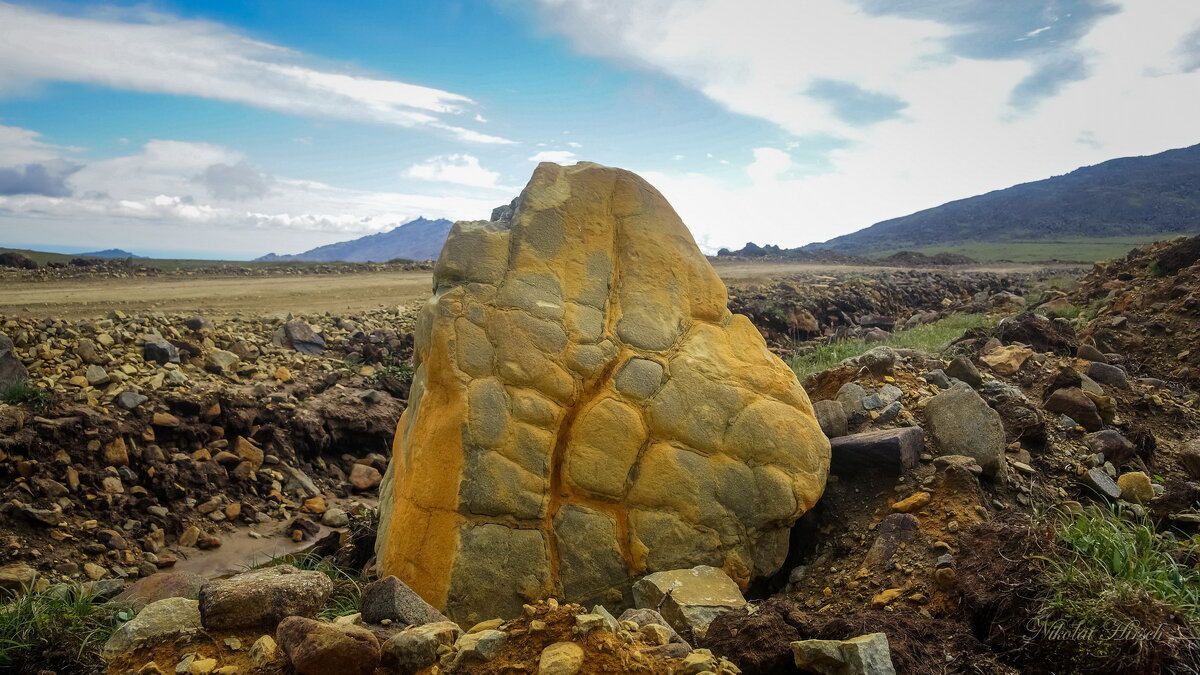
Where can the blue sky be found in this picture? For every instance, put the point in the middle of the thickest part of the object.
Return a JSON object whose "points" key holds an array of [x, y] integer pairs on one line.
{"points": [[231, 129]]}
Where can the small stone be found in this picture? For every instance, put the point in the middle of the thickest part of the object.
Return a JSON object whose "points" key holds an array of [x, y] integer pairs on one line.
{"points": [[1100, 483], [913, 503], [886, 597], [264, 653], [1136, 487], [364, 477], [97, 376], [128, 400], [561, 658], [335, 517]]}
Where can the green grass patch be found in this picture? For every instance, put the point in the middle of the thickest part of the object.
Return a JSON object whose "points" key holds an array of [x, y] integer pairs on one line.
{"points": [[1117, 599], [1064, 249], [54, 631], [1113, 555], [23, 392], [933, 337]]}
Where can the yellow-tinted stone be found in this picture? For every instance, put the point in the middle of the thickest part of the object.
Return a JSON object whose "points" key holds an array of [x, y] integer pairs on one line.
{"points": [[585, 409]]}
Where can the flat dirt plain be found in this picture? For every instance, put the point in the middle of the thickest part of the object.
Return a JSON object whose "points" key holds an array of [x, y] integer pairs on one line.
{"points": [[223, 296]]}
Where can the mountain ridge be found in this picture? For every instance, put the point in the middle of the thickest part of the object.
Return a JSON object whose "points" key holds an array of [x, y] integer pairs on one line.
{"points": [[1143, 196], [418, 239]]}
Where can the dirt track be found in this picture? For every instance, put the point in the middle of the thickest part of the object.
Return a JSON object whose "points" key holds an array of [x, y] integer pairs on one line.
{"points": [[220, 296]]}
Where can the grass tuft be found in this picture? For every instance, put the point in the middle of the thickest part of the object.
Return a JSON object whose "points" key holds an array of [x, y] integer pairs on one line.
{"points": [[347, 583], [1114, 553], [933, 337], [54, 631], [23, 392]]}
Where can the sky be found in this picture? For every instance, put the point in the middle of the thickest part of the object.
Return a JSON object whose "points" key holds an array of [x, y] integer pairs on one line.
{"points": [[233, 129]]}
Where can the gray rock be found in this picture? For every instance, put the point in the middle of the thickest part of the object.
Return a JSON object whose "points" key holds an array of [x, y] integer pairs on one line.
{"points": [[262, 598], [1099, 482], [128, 400], [1113, 376], [335, 517], [879, 361], [87, 351], [961, 423], [891, 449], [646, 616], [937, 378], [96, 376], [873, 402], [863, 655], [390, 598], [851, 397], [889, 413], [167, 617], [12, 371], [299, 336], [160, 351], [416, 647], [689, 599], [831, 415], [1089, 353], [298, 482], [479, 647], [221, 361], [962, 369]]}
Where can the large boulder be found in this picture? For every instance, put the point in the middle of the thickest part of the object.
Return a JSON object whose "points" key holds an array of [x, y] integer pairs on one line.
{"points": [[961, 423], [689, 599], [316, 648], [390, 599], [586, 410], [262, 598], [863, 655], [158, 620]]}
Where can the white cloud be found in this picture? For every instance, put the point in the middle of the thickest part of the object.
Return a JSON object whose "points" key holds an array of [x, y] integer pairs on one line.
{"points": [[164, 54], [24, 146], [162, 194], [956, 134], [458, 169], [573, 144], [556, 156]]}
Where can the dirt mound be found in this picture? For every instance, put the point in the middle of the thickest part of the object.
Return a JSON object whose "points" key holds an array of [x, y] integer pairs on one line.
{"points": [[1146, 309], [760, 643]]}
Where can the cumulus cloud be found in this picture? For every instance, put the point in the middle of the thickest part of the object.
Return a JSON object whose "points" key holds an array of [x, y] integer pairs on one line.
{"points": [[174, 189], [235, 182], [994, 94], [556, 156], [198, 58], [459, 169], [45, 178]]}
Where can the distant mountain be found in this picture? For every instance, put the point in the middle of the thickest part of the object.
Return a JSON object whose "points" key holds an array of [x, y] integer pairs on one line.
{"points": [[111, 253], [420, 239], [1127, 197]]}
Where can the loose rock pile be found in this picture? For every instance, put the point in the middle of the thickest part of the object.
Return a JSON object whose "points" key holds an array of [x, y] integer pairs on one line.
{"points": [[161, 434]]}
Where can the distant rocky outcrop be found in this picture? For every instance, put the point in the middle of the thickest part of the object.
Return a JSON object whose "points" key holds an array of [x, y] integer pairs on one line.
{"points": [[111, 253], [586, 410], [419, 239]]}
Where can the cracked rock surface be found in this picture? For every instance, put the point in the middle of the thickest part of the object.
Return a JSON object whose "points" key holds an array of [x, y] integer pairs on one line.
{"points": [[586, 410]]}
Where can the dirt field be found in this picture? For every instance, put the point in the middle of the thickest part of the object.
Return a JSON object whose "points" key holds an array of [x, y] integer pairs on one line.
{"points": [[219, 296]]}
